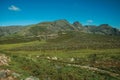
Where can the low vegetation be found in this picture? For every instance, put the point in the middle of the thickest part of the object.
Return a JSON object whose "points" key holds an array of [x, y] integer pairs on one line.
{"points": [[52, 59]]}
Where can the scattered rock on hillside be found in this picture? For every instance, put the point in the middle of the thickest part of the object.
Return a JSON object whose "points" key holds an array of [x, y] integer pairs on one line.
{"points": [[4, 60], [32, 78], [8, 75]]}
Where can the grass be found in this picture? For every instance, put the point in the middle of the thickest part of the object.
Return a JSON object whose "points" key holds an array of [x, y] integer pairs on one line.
{"points": [[74, 41], [26, 63], [29, 59], [71, 53], [10, 46]]}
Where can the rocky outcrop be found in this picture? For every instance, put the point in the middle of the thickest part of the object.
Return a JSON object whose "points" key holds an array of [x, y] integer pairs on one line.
{"points": [[32, 78], [78, 25], [8, 75], [4, 59], [108, 30]]}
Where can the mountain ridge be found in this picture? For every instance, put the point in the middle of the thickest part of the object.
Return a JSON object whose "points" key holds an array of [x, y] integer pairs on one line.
{"points": [[53, 27]]}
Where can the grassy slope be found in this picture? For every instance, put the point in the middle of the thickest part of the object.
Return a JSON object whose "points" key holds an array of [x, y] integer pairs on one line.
{"points": [[25, 61], [75, 41], [10, 46]]}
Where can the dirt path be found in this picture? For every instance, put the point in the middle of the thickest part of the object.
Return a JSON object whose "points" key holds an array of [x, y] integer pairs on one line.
{"points": [[71, 64], [96, 69], [89, 68]]}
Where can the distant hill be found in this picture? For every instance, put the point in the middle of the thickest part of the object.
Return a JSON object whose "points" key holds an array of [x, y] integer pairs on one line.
{"points": [[9, 30], [47, 28], [75, 41]]}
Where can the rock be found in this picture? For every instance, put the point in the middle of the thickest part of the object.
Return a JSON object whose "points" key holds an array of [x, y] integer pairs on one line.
{"points": [[3, 74], [4, 60], [8, 75], [58, 67], [10, 78], [32, 78], [78, 25], [72, 59], [48, 57], [15, 75], [54, 58], [37, 56]]}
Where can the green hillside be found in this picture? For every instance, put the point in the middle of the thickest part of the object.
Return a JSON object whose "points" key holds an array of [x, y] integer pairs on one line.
{"points": [[76, 41], [53, 27], [42, 65], [59, 50]]}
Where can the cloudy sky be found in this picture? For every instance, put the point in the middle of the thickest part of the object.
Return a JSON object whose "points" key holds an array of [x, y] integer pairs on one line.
{"points": [[95, 12]]}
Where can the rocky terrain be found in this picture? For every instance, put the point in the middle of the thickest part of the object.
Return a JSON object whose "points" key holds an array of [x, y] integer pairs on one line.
{"points": [[6, 74], [59, 50], [45, 28]]}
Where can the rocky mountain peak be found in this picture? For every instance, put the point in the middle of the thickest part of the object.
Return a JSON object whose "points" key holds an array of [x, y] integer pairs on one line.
{"points": [[105, 26], [77, 25], [53, 27], [61, 20]]}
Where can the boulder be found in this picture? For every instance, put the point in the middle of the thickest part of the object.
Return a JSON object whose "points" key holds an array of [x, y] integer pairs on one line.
{"points": [[32, 78]]}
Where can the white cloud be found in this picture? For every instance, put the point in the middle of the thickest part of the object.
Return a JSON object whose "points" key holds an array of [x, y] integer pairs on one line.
{"points": [[14, 8], [89, 21]]}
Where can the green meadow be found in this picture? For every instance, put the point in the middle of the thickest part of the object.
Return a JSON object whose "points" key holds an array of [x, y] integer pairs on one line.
{"points": [[55, 59]]}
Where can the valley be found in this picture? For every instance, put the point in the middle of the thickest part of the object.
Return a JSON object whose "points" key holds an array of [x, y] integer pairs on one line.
{"points": [[59, 39], [70, 56]]}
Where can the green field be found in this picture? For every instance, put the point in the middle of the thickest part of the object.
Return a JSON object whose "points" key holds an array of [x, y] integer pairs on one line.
{"points": [[54, 59]]}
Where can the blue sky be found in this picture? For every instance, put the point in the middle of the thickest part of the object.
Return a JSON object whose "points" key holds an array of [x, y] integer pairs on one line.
{"points": [[95, 12]]}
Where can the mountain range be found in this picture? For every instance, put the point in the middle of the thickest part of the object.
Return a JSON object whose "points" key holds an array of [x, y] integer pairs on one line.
{"points": [[54, 27]]}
